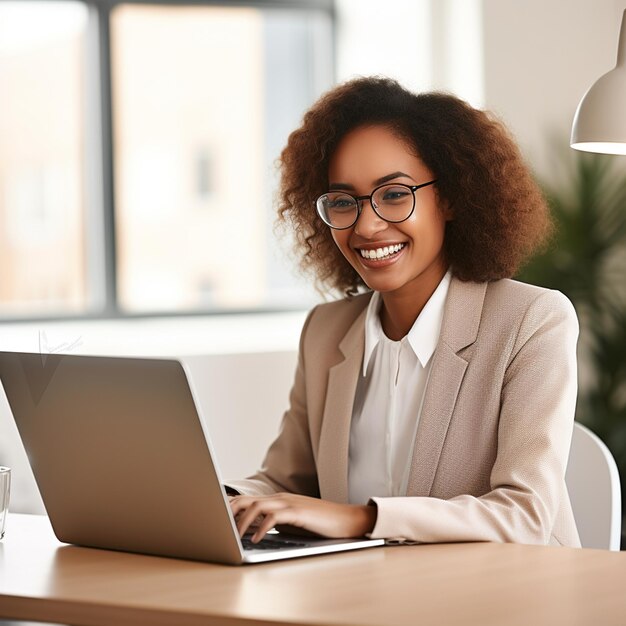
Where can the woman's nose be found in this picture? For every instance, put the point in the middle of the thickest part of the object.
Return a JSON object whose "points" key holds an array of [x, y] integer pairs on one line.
{"points": [[369, 222]]}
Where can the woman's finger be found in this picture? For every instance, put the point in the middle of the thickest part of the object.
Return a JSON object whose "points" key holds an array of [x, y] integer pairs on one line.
{"points": [[253, 525], [237, 503], [268, 523], [245, 518], [257, 508], [240, 504]]}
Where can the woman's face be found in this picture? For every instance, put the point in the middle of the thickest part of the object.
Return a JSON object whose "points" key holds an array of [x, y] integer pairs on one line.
{"points": [[365, 158]]}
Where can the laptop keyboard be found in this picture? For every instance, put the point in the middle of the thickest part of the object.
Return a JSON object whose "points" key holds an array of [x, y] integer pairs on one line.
{"points": [[271, 544]]}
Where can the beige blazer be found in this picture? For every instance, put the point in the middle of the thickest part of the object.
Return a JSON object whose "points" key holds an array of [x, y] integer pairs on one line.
{"points": [[494, 435]]}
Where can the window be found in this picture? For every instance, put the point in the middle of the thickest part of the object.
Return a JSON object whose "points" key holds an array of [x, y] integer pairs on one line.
{"points": [[137, 153], [42, 211]]}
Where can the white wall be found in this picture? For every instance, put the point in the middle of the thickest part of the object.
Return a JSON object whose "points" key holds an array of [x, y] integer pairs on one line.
{"points": [[424, 44], [540, 57], [529, 61]]}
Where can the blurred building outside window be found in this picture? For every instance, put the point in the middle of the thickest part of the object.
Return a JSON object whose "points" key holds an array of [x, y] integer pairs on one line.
{"points": [[41, 159]]}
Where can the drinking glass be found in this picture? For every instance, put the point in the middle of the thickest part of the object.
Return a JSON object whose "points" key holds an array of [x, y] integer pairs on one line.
{"points": [[5, 490]]}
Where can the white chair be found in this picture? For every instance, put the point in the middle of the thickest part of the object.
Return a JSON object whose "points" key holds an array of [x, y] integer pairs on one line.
{"points": [[594, 488]]}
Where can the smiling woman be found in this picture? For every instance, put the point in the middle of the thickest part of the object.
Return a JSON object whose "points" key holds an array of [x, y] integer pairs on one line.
{"points": [[438, 405], [418, 264]]}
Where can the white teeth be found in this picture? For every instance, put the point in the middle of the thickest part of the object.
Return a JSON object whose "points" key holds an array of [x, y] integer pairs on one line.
{"points": [[380, 253]]}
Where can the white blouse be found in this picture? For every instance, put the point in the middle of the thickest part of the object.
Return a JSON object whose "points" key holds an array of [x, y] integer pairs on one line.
{"points": [[389, 398]]}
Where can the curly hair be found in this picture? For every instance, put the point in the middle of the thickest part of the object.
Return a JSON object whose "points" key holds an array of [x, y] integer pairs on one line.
{"points": [[499, 214]]}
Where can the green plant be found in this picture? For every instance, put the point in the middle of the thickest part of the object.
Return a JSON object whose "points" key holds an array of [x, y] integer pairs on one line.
{"points": [[586, 260]]}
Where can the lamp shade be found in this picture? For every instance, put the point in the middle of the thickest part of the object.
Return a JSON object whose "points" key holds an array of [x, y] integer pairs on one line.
{"points": [[600, 120]]}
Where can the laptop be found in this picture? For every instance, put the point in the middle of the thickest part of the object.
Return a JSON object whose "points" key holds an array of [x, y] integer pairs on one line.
{"points": [[123, 460]]}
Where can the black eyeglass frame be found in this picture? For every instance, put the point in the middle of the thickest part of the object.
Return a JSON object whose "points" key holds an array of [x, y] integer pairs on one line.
{"points": [[359, 205]]}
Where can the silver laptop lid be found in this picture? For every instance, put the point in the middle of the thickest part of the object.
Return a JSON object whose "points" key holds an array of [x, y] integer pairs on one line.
{"points": [[120, 454]]}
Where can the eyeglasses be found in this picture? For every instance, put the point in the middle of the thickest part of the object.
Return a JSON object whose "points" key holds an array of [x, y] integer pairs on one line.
{"points": [[391, 202]]}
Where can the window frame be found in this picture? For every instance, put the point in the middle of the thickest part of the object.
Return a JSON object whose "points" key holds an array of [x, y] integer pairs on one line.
{"points": [[99, 234]]}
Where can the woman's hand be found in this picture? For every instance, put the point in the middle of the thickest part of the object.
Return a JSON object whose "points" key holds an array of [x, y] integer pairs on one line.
{"points": [[325, 518]]}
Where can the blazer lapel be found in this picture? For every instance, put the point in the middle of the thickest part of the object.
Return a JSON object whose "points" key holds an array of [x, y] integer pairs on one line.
{"points": [[335, 432], [459, 329]]}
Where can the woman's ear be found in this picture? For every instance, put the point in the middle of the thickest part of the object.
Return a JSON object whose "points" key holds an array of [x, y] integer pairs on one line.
{"points": [[446, 209]]}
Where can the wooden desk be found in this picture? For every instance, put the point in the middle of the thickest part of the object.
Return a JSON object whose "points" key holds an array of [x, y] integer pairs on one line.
{"points": [[465, 583]]}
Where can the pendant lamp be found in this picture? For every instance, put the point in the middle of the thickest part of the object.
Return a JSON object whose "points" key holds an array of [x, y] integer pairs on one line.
{"points": [[600, 120]]}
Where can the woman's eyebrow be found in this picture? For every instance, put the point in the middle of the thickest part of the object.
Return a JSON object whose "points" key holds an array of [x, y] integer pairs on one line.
{"points": [[389, 177], [379, 181]]}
